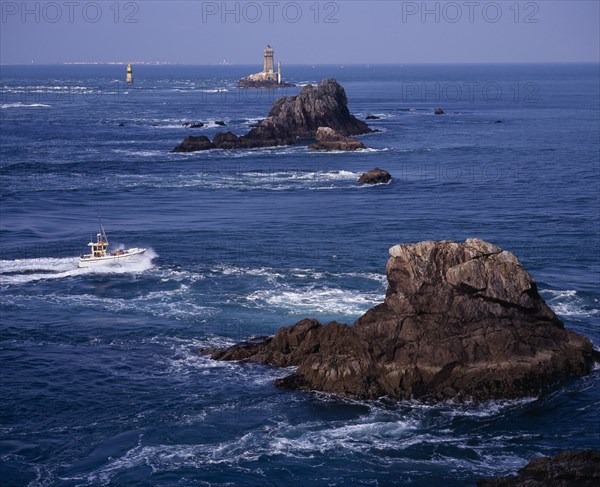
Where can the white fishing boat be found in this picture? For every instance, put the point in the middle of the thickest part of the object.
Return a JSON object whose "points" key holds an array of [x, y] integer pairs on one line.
{"points": [[100, 254]]}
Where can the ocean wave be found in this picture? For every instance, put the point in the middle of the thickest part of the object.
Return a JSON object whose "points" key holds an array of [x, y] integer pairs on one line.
{"points": [[381, 437], [177, 304], [246, 180]]}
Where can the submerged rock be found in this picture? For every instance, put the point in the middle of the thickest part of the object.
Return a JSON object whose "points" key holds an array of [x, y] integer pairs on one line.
{"points": [[460, 321], [328, 140], [193, 125], [372, 117], [220, 123], [375, 176], [293, 117], [438, 111], [567, 469]]}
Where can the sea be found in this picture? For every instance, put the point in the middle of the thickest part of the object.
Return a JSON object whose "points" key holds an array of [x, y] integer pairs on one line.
{"points": [[102, 382]]}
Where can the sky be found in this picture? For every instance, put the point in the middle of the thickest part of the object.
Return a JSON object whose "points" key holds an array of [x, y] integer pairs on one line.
{"points": [[302, 32]]}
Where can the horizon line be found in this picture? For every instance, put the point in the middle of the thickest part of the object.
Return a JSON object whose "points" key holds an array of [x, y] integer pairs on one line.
{"points": [[170, 63]]}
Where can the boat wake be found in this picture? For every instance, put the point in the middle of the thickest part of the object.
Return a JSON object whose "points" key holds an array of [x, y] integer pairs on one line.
{"points": [[23, 271]]}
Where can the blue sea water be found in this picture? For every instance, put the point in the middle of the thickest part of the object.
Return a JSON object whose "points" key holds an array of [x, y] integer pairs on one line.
{"points": [[101, 380]]}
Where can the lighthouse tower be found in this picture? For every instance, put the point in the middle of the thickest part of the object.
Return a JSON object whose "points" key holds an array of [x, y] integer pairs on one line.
{"points": [[129, 77], [269, 68]]}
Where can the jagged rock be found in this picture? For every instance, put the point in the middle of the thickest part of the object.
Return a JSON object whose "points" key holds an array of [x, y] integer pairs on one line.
{"points": [[324, 105], [328, 139], [460, 321], [372, 117], [220, 122], [192, 143], [438, 111], [375, 176], [567, 469], [192, 125], [293, 117]]}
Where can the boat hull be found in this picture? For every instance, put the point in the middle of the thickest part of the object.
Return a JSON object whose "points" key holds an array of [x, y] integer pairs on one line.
{"points": [[128, 256]]}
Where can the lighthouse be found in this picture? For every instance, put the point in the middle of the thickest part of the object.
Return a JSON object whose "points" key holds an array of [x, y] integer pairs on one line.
{"points": [[129, 77], [268, 61]]}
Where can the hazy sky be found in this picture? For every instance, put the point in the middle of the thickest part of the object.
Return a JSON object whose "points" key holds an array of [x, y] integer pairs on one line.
{"points": [[303, 32]]}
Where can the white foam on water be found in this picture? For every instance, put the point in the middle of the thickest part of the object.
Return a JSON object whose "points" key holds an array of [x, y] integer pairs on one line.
{"points": [[313, 299], [177, 304], [24, 105], [233, 270], [570, 303]]}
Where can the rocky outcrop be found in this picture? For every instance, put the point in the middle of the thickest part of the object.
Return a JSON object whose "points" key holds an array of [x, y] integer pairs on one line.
{"points": [[375, 176], [438, 111], [567, 469], [324, 105], [193, 125], [263, 80], [192, 144], [372, 117], [459, 321], [329, 140], [300, 116]]}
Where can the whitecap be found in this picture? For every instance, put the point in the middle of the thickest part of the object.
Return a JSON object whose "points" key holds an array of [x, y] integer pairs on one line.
{"points": [[24, 105]]}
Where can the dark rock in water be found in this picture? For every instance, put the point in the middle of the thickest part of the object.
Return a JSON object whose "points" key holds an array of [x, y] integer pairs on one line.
{"points": [[292, 117], [567, 469], [192, 125], [438, 111], [324, 105], [460, 321], [220, 122], [328, 139], [121, 124], [375, 176], [226, 140], [499, 121], [372, 117], [192, 144]]}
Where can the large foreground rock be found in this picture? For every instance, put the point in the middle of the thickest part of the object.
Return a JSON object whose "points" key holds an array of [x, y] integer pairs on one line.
{"points": [[567, 469], [300, 116], [330, 140], [459, 321]]}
